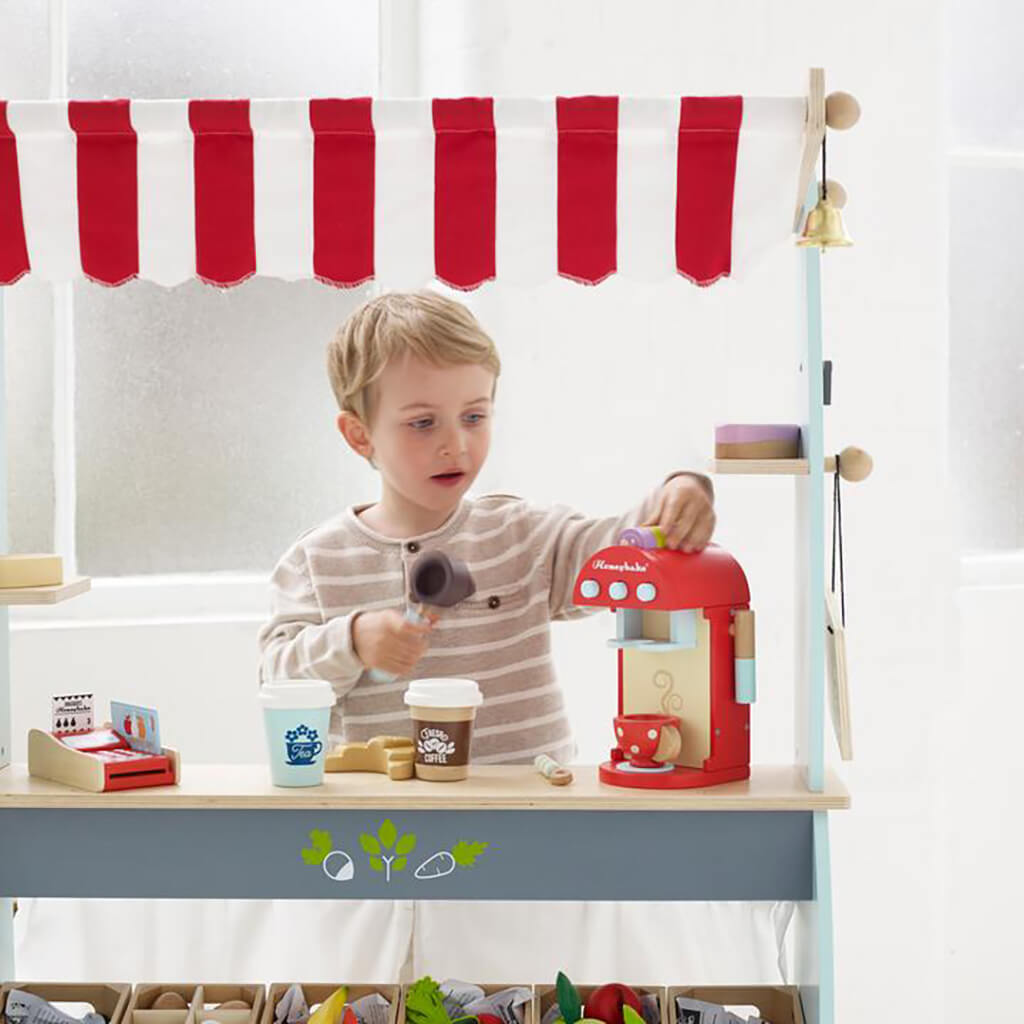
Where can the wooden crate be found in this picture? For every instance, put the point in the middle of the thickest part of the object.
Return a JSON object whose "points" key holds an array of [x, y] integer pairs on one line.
{"points": [[545, 997], [529, 1008], [111, 1000], [778, 1004], [317, 992]]}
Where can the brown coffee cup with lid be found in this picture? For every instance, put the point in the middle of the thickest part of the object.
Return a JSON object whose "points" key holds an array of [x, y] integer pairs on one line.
{"points": [[443, 712]]}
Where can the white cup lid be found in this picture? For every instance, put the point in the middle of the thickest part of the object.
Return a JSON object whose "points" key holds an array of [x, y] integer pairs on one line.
{"points": [[444, 693], [297, 694]]}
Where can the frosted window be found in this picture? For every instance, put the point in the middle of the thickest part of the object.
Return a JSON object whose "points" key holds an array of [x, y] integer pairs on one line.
{"points": [[24, 50], [987, 354], [27, 313], [205, 426], [986, 328], [987, 74], [195, 49]]}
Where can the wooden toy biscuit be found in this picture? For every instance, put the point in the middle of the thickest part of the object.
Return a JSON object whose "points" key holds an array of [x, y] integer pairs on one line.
{"points": [[390, 755], [18, 571], [170, 1001]]}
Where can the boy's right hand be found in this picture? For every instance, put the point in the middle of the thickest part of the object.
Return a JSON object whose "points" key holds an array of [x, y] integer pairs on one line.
{"points": [[386, 640]]}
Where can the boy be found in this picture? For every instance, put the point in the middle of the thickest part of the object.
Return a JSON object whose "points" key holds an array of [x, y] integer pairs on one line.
{"points": [[414, 376]]}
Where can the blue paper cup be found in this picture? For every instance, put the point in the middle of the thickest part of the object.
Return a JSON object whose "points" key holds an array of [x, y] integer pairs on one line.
{"points": [[297, 716]]}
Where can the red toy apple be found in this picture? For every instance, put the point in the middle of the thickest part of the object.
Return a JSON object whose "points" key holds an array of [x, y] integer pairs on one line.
{"points": [[605, 1003], [488, 1018]]}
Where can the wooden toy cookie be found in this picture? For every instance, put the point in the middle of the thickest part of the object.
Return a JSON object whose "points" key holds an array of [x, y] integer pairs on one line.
{"points": [[390, 755]]}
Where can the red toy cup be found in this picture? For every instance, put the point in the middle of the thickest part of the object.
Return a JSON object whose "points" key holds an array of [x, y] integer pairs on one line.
{"points": [[640, 736]]}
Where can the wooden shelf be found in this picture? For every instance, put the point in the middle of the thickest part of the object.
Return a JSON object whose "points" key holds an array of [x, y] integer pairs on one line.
{"points": [[46, 595], [761, 467], [770, 788]]}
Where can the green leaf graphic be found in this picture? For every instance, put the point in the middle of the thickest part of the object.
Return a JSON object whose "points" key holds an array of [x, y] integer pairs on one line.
{"points": [[369, 844], [568, 999], [630, 1016], [399, 864], [376, 863], [406, 845], [320, 847], [465, 854], [387, 834]]}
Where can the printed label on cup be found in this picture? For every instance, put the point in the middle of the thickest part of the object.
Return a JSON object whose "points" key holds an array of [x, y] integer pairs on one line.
{"points": [[302, 745], [443, 743]]}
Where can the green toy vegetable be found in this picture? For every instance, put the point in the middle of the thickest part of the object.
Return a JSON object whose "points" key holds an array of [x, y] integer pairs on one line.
{"points": [[569, 1001], [424, 1003]]}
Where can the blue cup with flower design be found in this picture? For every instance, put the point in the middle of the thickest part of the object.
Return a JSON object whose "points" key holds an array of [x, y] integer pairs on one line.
{"points": [[297, 716]]}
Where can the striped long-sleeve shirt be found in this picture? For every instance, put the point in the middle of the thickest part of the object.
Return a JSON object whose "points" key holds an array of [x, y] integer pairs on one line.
{"points": [[524, 559]]}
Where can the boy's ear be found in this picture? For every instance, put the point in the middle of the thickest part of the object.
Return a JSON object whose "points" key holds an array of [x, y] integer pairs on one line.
{"points": [[355, 433]]}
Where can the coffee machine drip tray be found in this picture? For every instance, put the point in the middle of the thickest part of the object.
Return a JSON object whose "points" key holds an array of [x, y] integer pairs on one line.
{"points": [[668, 776], [632, 769]]}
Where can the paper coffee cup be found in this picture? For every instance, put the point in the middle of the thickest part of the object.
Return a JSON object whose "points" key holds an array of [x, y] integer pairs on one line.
{"points": [[297, 716], [442, 713]]}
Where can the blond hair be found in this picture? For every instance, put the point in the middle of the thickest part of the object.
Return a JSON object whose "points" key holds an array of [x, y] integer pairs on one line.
{"points": [[425, 324]]}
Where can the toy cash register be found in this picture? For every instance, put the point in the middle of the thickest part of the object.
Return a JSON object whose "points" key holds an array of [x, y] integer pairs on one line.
{"points": [[98, 760]]}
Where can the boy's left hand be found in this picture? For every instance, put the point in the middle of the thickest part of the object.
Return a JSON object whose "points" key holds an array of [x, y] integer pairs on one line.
{"points": [[685, 514]]}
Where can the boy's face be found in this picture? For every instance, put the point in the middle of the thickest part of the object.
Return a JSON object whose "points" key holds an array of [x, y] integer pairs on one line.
{"points": [[430, 429]]}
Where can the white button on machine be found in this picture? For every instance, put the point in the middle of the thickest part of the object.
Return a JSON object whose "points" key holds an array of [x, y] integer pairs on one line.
{"points": [[590, 588], [646, 592], [618, 590]]}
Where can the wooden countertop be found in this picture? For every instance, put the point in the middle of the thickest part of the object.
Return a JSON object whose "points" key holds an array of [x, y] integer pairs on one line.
{"points": [[247, 787]]}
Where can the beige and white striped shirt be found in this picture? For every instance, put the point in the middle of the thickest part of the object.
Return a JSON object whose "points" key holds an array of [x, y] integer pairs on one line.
{"points": [[524, 559]]}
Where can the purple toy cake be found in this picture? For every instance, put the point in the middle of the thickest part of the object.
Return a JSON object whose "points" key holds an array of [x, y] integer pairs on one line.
{"points": [[757, 441]]}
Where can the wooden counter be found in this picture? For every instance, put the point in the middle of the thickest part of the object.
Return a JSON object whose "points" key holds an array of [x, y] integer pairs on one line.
{"points": [[247, 787]]}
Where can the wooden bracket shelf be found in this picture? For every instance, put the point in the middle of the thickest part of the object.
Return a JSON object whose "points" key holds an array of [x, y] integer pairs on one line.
{"points": [[46, 595]]}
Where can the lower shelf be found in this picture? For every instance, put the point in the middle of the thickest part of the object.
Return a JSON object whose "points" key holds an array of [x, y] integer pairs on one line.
{"points": [[123, 1003]]}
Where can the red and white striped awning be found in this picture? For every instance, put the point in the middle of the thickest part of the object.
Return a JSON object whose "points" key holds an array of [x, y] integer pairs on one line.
{"points": [[345, 190]]}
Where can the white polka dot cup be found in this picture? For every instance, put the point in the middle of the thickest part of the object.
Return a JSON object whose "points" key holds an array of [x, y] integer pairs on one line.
{"points": [[648, 741]]}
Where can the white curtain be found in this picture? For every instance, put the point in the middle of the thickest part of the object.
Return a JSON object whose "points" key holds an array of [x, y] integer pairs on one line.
{"points": [[209, 941]]}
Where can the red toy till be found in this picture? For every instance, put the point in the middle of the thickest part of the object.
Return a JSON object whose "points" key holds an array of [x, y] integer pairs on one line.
{"points": [[685, 637]]}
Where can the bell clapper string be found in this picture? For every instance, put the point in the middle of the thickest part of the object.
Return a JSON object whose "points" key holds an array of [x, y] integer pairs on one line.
{"points": [[824, 179], [837, 543]]}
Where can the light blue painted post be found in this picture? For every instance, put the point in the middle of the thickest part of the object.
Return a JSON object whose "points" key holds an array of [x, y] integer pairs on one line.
{"points": [[817, 992], [810, 724], [6, 904]]}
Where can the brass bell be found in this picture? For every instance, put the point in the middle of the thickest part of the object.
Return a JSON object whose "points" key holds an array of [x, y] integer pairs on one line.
{"points": [[824, 227]]}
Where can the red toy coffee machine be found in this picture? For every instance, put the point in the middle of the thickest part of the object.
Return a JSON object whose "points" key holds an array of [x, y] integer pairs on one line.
{"points": [[685, 639]]}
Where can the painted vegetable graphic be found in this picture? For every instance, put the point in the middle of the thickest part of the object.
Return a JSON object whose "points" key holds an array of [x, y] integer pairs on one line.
{"points": [[463, 855], [388, 851], [337, 864], [438, 866]]}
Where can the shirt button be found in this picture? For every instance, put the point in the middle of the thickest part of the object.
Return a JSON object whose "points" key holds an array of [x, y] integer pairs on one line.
{"points": [[412, 546], [493, 602]]}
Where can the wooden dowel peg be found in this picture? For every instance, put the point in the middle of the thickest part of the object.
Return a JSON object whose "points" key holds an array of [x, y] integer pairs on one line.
{"points": [[854, 464], [842, 110], [836, 194]]}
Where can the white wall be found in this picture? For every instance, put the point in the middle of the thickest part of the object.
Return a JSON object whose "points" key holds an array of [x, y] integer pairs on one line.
{"points": [[886, 332]]}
